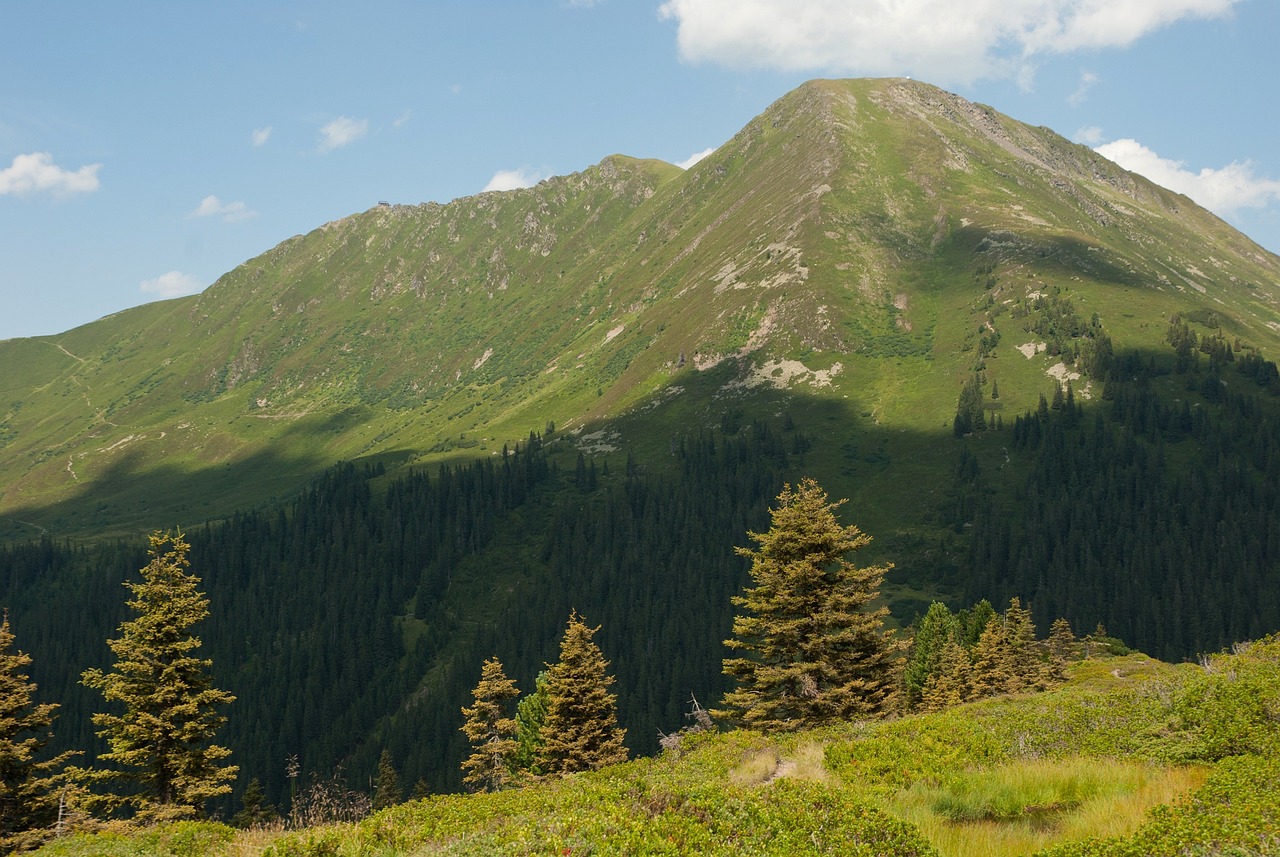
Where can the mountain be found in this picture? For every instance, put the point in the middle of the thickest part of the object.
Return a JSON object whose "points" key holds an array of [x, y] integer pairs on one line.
{"points": [[842, 245], [419, 436]]}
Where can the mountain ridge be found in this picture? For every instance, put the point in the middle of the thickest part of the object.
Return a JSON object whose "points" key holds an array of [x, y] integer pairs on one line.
{"points": [[845, 222]]}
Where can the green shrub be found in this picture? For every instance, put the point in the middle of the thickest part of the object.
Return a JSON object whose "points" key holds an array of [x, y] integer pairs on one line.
{"points": [[1233, 706], [179, 839]]}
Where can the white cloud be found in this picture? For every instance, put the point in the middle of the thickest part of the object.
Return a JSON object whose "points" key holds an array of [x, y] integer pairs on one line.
{"points": [[1089, 135], [37, 172], [174, 284], [1087, 80], [1222, 191], [342, 131], [512, 179], [694, 158], [261, 135], [402, 119], [940, 40], [211, 206]]}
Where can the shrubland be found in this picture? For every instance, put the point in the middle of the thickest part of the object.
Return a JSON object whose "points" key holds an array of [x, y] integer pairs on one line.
{"points": [[1131, 756]]}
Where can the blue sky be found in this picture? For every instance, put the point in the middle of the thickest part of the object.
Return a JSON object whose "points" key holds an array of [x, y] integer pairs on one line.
{"points": [[146, 148]]}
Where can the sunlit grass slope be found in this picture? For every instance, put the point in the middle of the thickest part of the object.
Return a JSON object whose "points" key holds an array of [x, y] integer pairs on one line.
{"points": [[1132, 756], [853, 244]]}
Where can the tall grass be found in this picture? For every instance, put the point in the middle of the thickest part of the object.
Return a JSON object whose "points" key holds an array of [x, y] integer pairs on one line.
{"points": [[1023, 806]]}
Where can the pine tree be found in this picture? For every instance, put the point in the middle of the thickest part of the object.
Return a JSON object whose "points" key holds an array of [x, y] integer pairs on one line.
{"points": [[386, 788], [580, 731], [1028, 668], [1061, 646], [994, 668], [530, 714], [814, 651], [974, 621], [952, 684], [28, 788], [924, 660], [255, 811], [490, 730], [172, 709]]}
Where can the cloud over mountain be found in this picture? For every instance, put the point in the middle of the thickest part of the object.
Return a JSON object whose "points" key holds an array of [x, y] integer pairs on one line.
{"points": [[1222, 191], [945, 41]]}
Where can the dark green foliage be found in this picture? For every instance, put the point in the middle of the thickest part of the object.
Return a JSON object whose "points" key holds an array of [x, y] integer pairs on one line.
{"points": [[322, 659], [813, 652], [255, 809], [969, 411], [974, 621], [166, 766], [1159, 519], [580, 731], [530, 714], [386, 788], [924, 658]]}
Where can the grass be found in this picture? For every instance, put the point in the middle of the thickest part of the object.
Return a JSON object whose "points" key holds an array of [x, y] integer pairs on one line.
{"points": [[1023, 806], [1084, 771]]}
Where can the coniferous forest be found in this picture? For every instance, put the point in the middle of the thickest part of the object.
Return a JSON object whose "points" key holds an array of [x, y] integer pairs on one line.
{"points": [[351, 623], [328, 617]]}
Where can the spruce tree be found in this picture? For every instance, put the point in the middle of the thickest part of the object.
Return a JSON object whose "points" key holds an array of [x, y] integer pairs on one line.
{"points": [[924, 660], [974, 621], [386, 788], [580, 731], [491, 730], [28, 786], [161, 742], [531, 711], [1028, 667], [813, 651], [1061, 646], [952, 684], [255, 811], [994, 667]]}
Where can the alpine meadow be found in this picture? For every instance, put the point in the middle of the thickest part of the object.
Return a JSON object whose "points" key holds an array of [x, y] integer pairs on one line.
{"points": [[908, 478]]}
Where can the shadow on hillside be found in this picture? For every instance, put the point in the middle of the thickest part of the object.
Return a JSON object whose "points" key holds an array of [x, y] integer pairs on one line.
{"points": [[1063, 255], [133, 497]]}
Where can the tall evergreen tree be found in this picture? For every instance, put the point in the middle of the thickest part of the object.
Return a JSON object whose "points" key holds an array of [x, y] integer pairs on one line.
{"points": [[974, 621], [28, 785], [255, 810], [491, 730], [386, 788], [172, 710], [531, 712], [814, 652], [994, 668], [952, 684], [1061, 646], [580, 731], [1028, 667], [937, 628]]}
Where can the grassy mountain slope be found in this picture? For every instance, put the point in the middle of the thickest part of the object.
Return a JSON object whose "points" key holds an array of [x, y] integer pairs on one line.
{"points": [[846, 246], [1131, 756]]}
